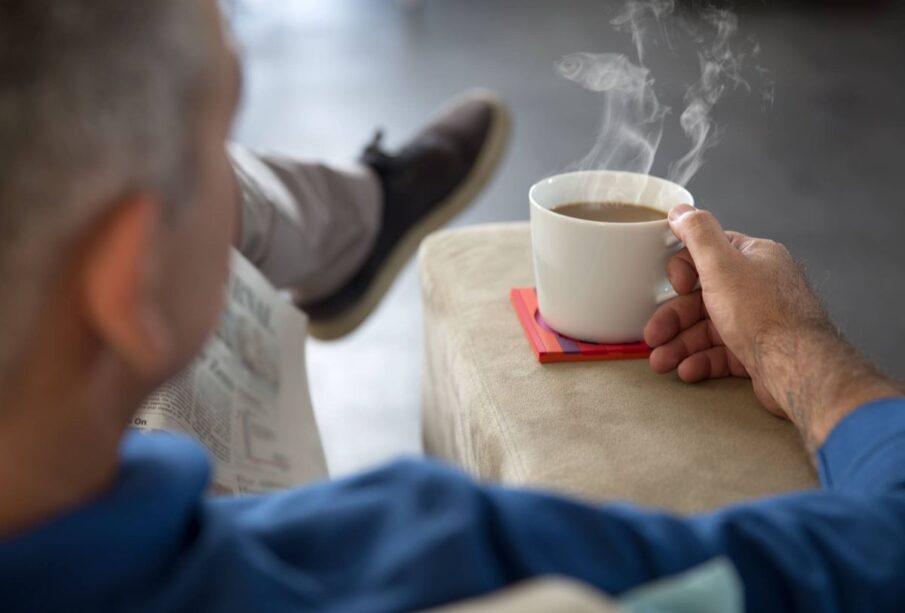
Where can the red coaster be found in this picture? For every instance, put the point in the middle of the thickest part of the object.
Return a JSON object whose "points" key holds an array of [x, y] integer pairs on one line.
{"points": [[550, 346]]}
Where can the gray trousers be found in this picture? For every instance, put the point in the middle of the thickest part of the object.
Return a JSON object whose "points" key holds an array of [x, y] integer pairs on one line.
{"points": [[307, 226]]}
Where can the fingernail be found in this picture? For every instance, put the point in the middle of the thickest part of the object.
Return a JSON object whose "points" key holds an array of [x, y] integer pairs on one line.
{"points": [[679, 210]]}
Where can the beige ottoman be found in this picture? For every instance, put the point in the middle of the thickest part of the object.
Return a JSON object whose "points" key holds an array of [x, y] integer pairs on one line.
{"points": [[598, 430]]}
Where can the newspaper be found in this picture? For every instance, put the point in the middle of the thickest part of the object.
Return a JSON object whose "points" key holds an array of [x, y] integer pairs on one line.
{"points": [[246, 396]]}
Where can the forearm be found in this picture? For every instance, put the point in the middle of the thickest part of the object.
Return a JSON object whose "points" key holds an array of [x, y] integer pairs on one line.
{"points": [[415, 535], [817, 377]]}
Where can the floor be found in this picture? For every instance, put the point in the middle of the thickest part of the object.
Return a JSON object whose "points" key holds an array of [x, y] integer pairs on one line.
{"points": [[817, 170]]}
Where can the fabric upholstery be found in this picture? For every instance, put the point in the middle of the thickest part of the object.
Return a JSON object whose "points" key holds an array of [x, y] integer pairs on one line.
{"points": [[598, 430]]}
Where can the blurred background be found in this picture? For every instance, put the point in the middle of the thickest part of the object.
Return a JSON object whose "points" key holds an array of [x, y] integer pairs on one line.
{"points": [[819, 170]]}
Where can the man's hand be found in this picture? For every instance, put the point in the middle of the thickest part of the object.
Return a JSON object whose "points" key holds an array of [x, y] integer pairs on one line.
{"points": [[756, 316], [751, 288]]}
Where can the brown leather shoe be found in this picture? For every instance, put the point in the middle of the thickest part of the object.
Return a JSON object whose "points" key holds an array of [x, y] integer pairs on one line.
{"points": [[425, 184]]}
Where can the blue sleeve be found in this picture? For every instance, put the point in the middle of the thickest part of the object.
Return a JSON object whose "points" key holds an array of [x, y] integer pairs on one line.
{"points": [[416, 534], [865, 453]]}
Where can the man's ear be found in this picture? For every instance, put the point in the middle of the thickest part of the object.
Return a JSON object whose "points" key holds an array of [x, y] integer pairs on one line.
{"points": [[122, 286]]}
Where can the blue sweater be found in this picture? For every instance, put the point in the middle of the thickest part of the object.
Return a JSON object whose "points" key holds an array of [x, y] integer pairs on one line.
{"points": [[415, 534]]}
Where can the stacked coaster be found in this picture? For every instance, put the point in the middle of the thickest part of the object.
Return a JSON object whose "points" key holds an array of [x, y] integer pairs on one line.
{"points": [[550, 346]]}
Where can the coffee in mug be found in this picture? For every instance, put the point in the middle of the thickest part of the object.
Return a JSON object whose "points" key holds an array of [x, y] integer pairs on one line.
{"points": [[611, 212], [601, 241]]}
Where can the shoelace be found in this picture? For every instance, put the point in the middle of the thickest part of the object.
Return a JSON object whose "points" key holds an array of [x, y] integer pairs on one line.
{"points": [[374, 152]]}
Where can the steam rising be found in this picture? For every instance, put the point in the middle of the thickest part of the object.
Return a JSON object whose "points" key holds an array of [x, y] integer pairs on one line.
{"points": [[721, 68], [633, 118], [641, 20]]}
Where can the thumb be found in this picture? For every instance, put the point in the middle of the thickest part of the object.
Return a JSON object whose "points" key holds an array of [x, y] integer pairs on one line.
{"points": [[702, 234]]}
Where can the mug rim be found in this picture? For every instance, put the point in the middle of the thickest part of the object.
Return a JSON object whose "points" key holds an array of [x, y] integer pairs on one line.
{"points": [[562, 176]]}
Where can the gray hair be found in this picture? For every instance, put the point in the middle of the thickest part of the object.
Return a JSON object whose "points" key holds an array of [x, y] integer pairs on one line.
{"points": [[97, 99]]}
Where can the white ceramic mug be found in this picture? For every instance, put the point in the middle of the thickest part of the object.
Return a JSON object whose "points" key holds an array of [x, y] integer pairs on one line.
{"points": [[601, 281]]}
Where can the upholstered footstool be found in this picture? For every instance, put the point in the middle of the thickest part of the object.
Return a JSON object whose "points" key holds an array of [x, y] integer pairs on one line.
{"points": [[598, 430]]}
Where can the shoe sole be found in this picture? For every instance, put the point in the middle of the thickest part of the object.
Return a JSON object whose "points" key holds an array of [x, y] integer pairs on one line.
{"points": [[459, 200]]}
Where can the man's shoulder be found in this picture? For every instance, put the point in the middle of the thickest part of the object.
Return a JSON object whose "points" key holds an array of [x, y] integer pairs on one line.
{"points": [[164, 455], [113, 545]]}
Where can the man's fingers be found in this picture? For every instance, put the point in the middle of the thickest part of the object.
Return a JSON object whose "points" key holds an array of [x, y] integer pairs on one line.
{"points": [[711, 363], [681, 272], [699, 337], [672, 317], [702, 234]]}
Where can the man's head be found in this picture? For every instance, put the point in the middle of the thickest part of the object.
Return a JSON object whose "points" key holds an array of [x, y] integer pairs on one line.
{"points": [[117, 203]]}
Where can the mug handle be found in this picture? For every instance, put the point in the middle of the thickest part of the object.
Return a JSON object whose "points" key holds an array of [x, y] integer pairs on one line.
{"points": [[675, 245], [670, 293], [665, 295]]}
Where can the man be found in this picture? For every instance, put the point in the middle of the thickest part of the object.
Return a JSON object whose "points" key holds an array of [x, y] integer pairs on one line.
{"points": [[116, 215]]}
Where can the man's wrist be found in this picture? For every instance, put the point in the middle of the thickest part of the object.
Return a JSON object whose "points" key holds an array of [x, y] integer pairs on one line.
{"points": [[818, 378]]}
